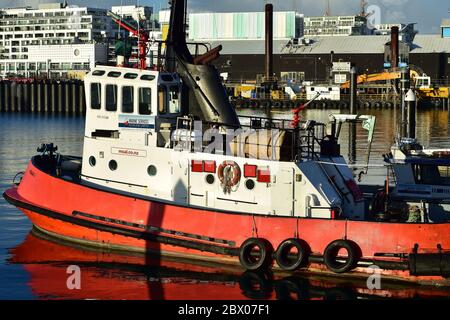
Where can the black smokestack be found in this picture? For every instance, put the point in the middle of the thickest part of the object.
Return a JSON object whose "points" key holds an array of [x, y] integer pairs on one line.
{"points": [[269, 41], [176, 38], [394, 47]]}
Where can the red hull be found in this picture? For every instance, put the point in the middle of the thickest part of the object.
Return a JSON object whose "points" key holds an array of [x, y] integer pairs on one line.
{"points": [[85, 214]]}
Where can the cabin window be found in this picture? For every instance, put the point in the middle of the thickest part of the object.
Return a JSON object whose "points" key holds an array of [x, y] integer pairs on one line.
{"points": [[96, 93], [148, 77], [130, 76], [432, 174], [174, 99], [169, 99], [145, 101], [111, 97], [127, 99], [162, 99]]}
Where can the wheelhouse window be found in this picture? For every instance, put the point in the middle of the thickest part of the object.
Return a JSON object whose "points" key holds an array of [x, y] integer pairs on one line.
{"points": [[127, 99], [111, 97], [432, 174], [96, 93], [169, 100], [145, 101], [174, 99]]}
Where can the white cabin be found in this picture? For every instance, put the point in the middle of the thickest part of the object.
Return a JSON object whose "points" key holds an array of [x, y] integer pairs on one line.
{"points": [[135, 124]]}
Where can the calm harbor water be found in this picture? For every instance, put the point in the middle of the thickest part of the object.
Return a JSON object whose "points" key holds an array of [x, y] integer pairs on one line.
{"points": [[33, 267]]}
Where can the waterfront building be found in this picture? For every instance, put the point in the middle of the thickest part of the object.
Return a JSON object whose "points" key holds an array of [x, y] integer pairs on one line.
{"points": [[407, 32], [242, 60], [53, 39], [445, 28], [213, 26], [327, 26]]}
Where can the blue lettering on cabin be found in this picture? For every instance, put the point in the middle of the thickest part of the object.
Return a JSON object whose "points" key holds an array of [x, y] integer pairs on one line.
{"points": [[136, 122]]}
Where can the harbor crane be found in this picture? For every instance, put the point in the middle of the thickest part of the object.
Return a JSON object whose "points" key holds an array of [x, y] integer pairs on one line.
{"points": [[141, 34]]}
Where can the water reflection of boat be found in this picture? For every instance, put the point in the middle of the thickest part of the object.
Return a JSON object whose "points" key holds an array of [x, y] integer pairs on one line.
{"points": [[118, 275]]}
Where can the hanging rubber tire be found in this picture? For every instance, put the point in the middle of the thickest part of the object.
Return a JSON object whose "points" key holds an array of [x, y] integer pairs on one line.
{"points": [[265, 104], [277, 104], [331, 258], [377, 105], [285, 260], [254, 104], [258, 259], [387, 105]]}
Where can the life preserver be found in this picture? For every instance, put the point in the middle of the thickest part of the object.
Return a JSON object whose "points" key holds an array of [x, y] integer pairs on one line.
{"points": [[293, 262], [225, 180], [255, 254], [330, 256]]}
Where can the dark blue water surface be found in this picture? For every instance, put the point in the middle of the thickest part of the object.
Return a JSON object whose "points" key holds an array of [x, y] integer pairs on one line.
{"points": [[33, 268], [20, 135]]}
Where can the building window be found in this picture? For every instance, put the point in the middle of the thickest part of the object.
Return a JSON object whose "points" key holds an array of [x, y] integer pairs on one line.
{"points": [[96, 93], [145, 101], [127, 99], [111, 97]]}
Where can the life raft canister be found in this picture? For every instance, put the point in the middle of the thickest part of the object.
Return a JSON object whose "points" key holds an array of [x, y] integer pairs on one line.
{"points": [[229, 174]]}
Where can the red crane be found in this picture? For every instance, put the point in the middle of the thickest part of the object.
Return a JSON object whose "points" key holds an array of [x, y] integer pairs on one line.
{"points": [[143, 38]]}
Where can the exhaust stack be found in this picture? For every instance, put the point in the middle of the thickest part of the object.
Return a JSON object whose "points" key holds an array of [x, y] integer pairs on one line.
{"points": [[394, 47], [269, 42]]}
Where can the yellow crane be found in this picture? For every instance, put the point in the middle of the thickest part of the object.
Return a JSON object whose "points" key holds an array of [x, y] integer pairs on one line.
{"points": [[422, 83]]}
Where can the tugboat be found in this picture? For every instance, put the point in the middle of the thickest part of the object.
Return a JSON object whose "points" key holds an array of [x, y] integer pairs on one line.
{"points": [[422, 181], [168, 168]]}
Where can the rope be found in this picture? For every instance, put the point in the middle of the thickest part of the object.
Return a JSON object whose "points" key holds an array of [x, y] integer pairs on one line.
{"points": [[353, 165]]}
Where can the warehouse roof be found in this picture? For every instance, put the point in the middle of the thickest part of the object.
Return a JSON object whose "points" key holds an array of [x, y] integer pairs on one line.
{"points": [[340, 45], [430, 44]]}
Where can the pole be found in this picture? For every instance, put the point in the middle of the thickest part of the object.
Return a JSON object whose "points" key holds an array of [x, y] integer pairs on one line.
{"points": [[410, 100], [352, 125], [331, 67], [269, 42], [404, 86], [353, 89]]}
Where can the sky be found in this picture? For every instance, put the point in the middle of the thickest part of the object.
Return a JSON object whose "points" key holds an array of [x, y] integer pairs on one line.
{"points": [[426, 13]]}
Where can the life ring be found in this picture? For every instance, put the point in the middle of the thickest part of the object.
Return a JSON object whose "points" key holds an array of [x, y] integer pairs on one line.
{"points": [[255, 254], [225, 180], [291, 262], [330, 256]]}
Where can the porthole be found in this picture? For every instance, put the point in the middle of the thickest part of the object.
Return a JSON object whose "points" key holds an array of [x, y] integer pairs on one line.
{"points": [[151, 170], [250, 184], [210, 179], [113, 165], [92, 161]]}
